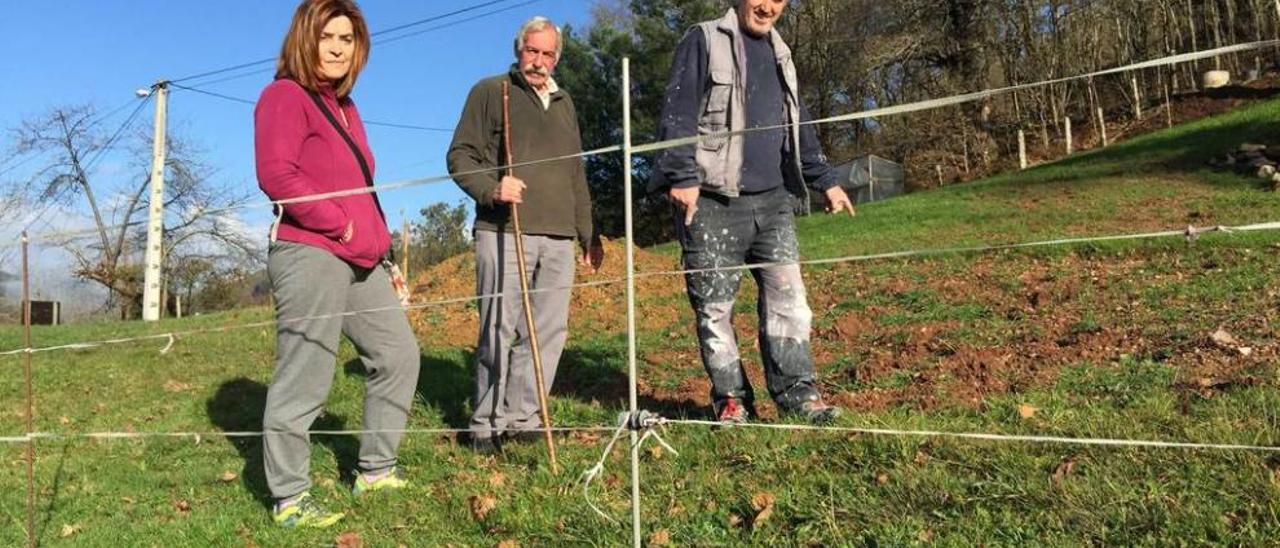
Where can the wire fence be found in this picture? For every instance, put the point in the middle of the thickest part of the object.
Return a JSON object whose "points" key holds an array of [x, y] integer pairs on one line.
{"points": [[633, 421]]}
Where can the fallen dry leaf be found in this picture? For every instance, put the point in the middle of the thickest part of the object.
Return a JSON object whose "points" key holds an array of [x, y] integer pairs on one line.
{"points": [[348, 539], [661, 537], [481, 505], [762, 503], [1063, 470], [922, 458], [69, 529], [227, 477], [655, 452], [926, 535], [497, 480], [508, 544], [182, 505], [1026, 411], [735, 520], [585, 438], [1223, 338], [882, 479], [176, 386]]}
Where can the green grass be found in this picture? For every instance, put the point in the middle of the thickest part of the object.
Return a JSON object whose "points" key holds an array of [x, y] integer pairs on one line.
{"points": [[1121, 328]]}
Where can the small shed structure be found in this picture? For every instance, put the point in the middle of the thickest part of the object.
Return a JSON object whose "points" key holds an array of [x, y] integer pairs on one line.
{"points": [[870, 178]]}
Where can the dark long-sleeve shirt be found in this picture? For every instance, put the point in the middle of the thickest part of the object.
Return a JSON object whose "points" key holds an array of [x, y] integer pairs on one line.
{"points": [[686, 86]]}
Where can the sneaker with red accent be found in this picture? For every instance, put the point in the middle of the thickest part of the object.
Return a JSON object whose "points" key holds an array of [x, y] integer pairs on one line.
{"points": [[731, 411]]}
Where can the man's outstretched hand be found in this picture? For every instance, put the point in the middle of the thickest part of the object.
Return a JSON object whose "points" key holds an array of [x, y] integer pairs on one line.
{"points": [[838, 201]]}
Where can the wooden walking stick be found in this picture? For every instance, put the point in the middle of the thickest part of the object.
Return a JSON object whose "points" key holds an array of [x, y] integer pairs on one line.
{"points": [[524, 287]]}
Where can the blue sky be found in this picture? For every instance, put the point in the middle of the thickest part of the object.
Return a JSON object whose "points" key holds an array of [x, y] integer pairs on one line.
{"points": [[99, 52]]}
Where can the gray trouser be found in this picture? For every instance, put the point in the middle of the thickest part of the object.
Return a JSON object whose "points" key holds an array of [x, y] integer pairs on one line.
{"points": [[308, 281], [727, 232], [506, 396]]}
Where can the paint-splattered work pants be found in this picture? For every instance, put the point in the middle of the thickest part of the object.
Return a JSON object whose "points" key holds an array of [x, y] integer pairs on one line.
{"points": [[749, 229]]}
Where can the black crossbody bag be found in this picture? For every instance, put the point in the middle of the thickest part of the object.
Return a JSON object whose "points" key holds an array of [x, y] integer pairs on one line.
{"points": [[389, 261]]}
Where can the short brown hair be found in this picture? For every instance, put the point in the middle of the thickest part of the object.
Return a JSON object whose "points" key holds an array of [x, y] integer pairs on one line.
{"points": [[300, 54]]}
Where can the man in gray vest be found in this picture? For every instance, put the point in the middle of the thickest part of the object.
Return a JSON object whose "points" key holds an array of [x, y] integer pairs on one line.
{"points": [[733, 194]]}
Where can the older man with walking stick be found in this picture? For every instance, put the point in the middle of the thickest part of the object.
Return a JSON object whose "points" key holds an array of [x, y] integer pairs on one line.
{"points": [[527, 219]]}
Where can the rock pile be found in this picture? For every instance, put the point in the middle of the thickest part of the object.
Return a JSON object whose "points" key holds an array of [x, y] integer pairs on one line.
{"points": [[1254, 159]]}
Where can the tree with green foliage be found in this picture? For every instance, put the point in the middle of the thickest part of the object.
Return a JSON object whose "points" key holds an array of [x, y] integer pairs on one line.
{"points": [[590, 68], [440, 233]]}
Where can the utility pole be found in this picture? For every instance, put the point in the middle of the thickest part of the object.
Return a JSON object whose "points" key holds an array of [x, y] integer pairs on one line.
{"points": [[155, 225]]}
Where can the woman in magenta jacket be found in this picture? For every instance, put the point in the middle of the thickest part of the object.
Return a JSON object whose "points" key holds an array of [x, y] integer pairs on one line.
{"points": [[325, 260]]}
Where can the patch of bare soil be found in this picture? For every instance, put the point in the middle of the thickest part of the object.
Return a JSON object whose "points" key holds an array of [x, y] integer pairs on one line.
{"points": [[1062, 312], [595, 308], [920, 343]]}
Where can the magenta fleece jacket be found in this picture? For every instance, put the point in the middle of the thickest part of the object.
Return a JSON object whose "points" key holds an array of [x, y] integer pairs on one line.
{"points": [[298, 152]]}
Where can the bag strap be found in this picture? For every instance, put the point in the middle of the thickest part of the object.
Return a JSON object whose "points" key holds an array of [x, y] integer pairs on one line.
{"points": [[355, 150]]}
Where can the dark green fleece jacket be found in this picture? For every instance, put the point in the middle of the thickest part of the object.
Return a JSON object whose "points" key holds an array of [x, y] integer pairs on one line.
{"points": [[556, 200]]}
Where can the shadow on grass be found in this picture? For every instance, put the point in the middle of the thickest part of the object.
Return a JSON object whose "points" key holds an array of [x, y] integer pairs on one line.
{"points": [[55, 490], [599, 375], [237, 407], [443, 383]]}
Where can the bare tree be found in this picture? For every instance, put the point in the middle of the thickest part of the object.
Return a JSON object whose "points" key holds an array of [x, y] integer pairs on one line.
{"points": [[68, 145]]}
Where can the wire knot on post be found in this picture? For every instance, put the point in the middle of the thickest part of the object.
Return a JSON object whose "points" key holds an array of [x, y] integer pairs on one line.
{"points": [[640, 421]]}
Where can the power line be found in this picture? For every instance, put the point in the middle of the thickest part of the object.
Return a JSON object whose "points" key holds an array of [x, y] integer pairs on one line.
{"points": [[458, 22], [244, 101], [213, 94], [381, 42], [378, 33], [437, 17], [111, 113], [88, 166]]}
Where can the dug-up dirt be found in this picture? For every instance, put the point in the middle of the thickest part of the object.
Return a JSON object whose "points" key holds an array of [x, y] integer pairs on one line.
{"points": [[599, 308]]}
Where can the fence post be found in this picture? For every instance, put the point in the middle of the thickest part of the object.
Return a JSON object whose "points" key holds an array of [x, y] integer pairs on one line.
{"points": [[404, 245], [1137, 99], [1067, 126], [30, 411], [633, 402], [1102, 126], [1022, 149]]}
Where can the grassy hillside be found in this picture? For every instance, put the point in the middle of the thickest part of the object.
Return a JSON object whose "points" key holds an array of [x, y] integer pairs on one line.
{"points": [[1097, 340]]}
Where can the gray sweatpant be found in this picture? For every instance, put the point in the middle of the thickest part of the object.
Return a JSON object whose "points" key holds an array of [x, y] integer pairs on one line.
{"points": [[308, 281], [506, 395]]}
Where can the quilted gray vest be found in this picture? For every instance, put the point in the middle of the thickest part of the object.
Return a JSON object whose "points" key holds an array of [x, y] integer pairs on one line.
{"points": [[719, 157]]}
